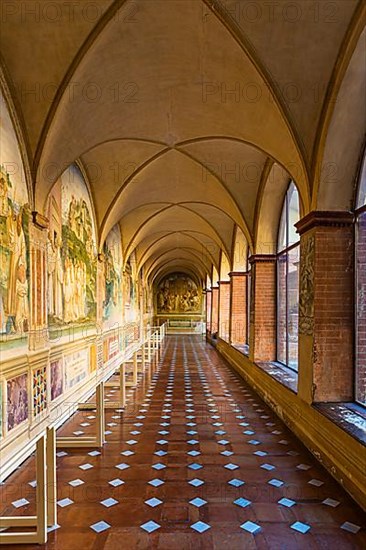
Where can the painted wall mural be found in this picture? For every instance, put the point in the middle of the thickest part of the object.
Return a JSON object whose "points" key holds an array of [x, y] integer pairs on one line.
{"points": [[113, 266], [1, 409], [17, 400], [93, 358], [39, 390], [110, 347], [76, 367], [14, 234], [57, 379], [71, 252], [178, 293], [130, 290]]}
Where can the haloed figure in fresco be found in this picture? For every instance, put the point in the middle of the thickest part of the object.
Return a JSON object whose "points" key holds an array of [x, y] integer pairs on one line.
{"points": [[17, 400], [178, 293], [14, 288], [55, 276], [71, 252]]}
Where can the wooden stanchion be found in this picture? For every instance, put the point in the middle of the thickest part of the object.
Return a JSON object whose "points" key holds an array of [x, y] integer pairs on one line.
{"points": [[143, 358], [51, 477], [46, 513], [88, 441], [121, 404], [122, 382], [148, 344], [134, 379]]}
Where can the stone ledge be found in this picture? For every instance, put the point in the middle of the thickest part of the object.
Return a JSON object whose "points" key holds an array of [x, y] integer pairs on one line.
{"points": [[338, 451], [287, 377], [242, 348], [350, 417]]}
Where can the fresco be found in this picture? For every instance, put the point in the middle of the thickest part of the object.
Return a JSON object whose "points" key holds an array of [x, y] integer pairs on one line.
{"points": [[39, 390], [1, 409], [57, 381], [110, 347], [178, 293], [113, 297], [71, 252], [76, 367], [130, 291], [14, 234], [127, 286], [17, 399], [93, 358]]}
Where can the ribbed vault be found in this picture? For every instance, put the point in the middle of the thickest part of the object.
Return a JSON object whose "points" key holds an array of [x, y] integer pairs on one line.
{"points": [[188, 118]]}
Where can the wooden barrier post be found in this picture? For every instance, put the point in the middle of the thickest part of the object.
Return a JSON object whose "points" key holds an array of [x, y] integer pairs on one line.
{"points": [[39, 521], [143, 357], [51, 477], [88, 441], [122, 388], [100, 415], [122, 384], [134, 379], [41, 491], [148, 344]]}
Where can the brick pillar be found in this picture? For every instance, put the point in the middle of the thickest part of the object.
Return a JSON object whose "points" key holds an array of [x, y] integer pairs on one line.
{"points": [[326, 311], [224, 309], [215, 310], [263, 308], [238, 307], [361, 309], [208, 310]]}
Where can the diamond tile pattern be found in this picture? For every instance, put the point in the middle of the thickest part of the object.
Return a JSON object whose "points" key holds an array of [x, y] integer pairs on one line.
{"points": [[208, 414]]}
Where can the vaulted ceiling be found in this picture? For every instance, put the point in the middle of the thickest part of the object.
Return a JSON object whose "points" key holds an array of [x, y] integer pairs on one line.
{"points": [[176, 109]]}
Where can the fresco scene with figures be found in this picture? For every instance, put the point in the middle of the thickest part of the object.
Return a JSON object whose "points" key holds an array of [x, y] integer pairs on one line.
{"points": [[14, 235], [17, 399], [57, 382], [183, 274], [113, 266], [178, 293], [71, 252], [130, 292]]}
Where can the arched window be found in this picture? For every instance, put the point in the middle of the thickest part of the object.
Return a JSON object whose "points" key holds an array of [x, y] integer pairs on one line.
{"points": [[360, 378], [288, 259]]}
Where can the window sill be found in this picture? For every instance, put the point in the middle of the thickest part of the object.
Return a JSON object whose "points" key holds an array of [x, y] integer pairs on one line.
{"points": [[243, 348], [287, 377], [351, 417]]}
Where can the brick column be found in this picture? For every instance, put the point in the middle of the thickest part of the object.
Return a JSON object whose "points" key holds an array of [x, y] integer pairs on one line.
{"points": [[326, 310], [208, 310], [238, 307], [263, 308], [224, 309], [215, 309], [361, 309]]}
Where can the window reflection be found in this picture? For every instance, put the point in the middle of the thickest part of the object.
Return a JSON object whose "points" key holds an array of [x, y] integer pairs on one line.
{"points": [[288, 260]]}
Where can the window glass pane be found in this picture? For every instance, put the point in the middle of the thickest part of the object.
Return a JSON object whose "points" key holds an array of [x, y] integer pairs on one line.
{"points": [[288, 281], [281, 308], [361, 201], [282, 234], [293, 307], [293, 214], [361, 309]]}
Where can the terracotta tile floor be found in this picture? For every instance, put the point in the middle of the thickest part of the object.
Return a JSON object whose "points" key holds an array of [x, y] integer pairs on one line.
{"points": [[198, 451]]}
